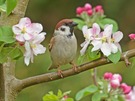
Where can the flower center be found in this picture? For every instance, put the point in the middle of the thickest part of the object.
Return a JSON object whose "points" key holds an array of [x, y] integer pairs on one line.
{"points": [[104, 39], [23, 30], [33, 46]]}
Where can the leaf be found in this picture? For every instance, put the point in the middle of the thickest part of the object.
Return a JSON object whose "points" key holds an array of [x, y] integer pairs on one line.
{"points": [[80, 23], [93, 55], [115, 57], [99, 96], [59, 94], [106, 21], [3, 7], [50, 97], [11, 4], [13, 53], [6, 34], [81, 59], [69, 99], [86, 91], [2, 2]]}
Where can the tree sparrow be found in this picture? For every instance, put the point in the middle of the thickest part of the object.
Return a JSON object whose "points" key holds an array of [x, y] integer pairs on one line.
{"points": [[63, 45]]}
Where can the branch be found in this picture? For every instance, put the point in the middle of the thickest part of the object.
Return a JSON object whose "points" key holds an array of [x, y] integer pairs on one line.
{"points": [[70, 72], [18, 13]]}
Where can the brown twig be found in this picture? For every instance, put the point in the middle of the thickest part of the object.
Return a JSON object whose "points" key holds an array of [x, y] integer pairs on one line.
{"points": [[70, 72]]}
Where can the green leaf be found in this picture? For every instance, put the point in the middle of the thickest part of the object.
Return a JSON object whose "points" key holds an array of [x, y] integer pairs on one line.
{"points": [[50, 97], [81, 59], [6, 34], [11, 4], [59, 94], [93, 55], [86, 91], [106, 21], [80, 22], [13, 53], [99, 96], [2, 2], [3, 8], [69, 99], [115, 57]]}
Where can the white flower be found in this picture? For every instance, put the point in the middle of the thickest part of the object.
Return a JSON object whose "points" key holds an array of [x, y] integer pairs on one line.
{"points": [[89, 34], [25, 30], [33, 47], [102, 41], [107, 41]]}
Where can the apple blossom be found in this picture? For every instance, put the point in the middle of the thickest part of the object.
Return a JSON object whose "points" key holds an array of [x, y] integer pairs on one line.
{"points": [[108, 76], [33, 47], [131, 95], [25, 30], [79, 10], [125, 88], [99, 9], [117, 76], [88, 6], [29, 34], [115, 83], [132, 36], [89, 34]]}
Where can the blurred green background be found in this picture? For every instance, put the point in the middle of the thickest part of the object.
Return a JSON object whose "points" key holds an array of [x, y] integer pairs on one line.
{"points": [[48, 13]]}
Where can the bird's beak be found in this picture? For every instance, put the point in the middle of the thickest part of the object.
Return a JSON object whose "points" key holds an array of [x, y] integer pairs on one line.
{"points": [[74, 24]]}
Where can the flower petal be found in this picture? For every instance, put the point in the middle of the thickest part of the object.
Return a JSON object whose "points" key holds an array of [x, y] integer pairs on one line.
{"points": [[82, 51], [84, 29], [114, 48], [37, 28], [24, 22], [108, 30], [27, 37], [16, 30], [27, 53], [20, 38], [39, 38], [96, 28], [106, 49], [97, 45], [119, 47], [39, 49], [117, 36]]}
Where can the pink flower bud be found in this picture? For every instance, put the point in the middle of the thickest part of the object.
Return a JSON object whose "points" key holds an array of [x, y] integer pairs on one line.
{"points": [[99, 8], [115, 83], [87, 6], [79, 10], [117, 76], [89, 12], [132, 36], [108, 76], [125, 88]]}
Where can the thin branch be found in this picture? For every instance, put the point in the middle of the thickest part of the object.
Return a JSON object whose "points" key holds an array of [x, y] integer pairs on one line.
{"points": [[70, 72]]}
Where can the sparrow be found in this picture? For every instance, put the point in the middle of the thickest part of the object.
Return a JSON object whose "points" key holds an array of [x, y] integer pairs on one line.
{"points": [[63, 45]]}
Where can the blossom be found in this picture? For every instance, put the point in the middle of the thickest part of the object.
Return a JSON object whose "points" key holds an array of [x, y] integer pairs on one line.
{"points": [[108, 76], [125, 88], [25, 30], [99, 9], [29, 35], [107, 41], [131, 95], [102, 41], [115, 83], [89, 34], [117, 76], [132, 36], [33, 47], [79, 10]]}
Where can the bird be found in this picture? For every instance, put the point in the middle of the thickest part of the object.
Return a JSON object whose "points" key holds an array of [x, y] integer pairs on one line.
{"points": [[63, 45]]}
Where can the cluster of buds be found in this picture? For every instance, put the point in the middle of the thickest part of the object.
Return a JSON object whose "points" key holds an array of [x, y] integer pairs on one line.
{"points": [[87, 8], [115, 82]]}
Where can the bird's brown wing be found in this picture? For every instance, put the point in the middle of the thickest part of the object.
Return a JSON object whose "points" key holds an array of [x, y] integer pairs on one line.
{"points": [[51, 43]]}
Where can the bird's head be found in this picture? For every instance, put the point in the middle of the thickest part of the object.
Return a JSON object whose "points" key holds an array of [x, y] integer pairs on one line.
{"points": [[65, 27]]}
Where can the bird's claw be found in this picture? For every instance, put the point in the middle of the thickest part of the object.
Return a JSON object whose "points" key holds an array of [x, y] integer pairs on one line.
{"points": [[60, 73]]}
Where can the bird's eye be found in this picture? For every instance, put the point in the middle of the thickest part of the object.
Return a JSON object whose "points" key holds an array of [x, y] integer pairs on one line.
{"points": [[62, 29]]}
